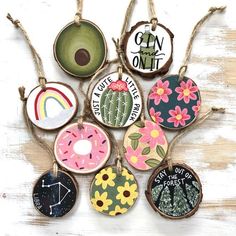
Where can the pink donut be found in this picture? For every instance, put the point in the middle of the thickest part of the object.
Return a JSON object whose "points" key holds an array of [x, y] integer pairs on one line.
{"points": [[84, 150]]}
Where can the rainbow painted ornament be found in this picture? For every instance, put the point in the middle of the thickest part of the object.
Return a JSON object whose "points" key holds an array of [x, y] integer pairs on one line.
{"points": [[52, 107]]}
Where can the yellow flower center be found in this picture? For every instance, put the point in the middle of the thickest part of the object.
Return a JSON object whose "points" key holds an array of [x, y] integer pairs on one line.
{"points": [[160, 91], [179, 117], [186, 92], [154, 133], [134, 159]]}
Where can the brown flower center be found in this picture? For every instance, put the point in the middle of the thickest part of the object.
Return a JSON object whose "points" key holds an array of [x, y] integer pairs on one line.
{"points": [[126, 193], [118, 213], [105, 177], [100, 203]]}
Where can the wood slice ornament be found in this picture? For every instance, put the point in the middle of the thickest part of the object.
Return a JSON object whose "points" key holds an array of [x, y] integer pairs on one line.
{"points": [[80, 48], [145, 145], [116, 101], [55, 195], [174, 101], [82, 150], [174, 194], [111, 193], [174, 104], [52, 107], [148, 51], [174, 190]]}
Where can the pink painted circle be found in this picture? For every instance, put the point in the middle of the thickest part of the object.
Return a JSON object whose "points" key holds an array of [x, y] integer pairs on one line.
{"points": [[82, 151]]}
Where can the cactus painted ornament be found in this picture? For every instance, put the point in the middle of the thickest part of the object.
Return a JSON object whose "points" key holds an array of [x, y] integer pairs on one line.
{"points": [[116, 102]]}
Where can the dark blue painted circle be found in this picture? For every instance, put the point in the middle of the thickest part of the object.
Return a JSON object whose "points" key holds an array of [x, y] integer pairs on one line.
{"points": [[174, 104], [55, 196]]}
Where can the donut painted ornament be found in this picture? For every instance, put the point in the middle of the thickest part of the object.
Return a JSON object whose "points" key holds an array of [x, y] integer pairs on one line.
{"points": [[116, 101], [80, 48], [50, 105], [145, 145], [148, 47], [82, 150], [174, 101], [112, 193], [55, 195], [174, 194]]}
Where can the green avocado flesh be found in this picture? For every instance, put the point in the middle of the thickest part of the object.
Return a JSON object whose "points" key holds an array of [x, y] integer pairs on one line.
{"points": [[80, 50]]}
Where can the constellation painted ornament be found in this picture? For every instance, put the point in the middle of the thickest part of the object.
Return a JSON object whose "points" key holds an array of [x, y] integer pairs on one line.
{"points": [[55, 196], [112, 193], [148, 47], [80, 48], [52, 107], [173, 104], [84, 150], [145, 145], [174, 194], [116, 100]]}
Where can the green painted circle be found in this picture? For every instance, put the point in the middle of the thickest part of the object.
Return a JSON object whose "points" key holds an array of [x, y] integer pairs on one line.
{"points": [[86, 38]]}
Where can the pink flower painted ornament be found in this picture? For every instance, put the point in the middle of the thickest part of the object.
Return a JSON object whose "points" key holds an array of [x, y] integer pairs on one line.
{"points": [[174, 101], [174, 104], [82, 150], [145, 145]]}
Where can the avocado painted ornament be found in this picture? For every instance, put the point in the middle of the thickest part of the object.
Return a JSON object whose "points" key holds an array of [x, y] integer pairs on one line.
{"points": [[148, 51], [145, 145], [80, 48], [116, 102], [113, 193], [176, 193]]}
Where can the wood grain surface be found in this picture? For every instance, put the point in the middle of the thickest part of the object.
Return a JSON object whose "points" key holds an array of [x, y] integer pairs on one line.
{"points": [[210, 150]]}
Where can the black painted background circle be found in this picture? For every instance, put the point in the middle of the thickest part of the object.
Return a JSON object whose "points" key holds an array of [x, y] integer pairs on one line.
{"points": [[164, 107], [44, 197], [181, 179]]}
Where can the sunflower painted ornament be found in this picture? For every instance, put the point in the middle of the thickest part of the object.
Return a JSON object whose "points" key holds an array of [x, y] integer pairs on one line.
{"points": [[114, 189], [50, 105], [148, 47], [80, 48], [174, 101], [174, 190]]}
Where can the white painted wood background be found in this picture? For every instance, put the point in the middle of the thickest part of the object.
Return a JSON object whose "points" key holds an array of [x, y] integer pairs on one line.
{"points": [[210, 150]]}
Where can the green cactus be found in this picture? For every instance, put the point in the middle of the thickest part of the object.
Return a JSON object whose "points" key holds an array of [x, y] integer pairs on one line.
{"points": [[116, 104]]}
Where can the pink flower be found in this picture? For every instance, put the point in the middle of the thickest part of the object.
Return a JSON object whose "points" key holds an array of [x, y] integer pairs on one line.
{"points": [[135, 158], [152, 134], [119, 86], [196, 108], [160, 92], [178, 117], [187, 91], [156, 116]]}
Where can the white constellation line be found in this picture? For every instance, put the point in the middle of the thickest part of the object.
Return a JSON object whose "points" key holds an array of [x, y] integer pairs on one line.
{"points": [[59, 195]]}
